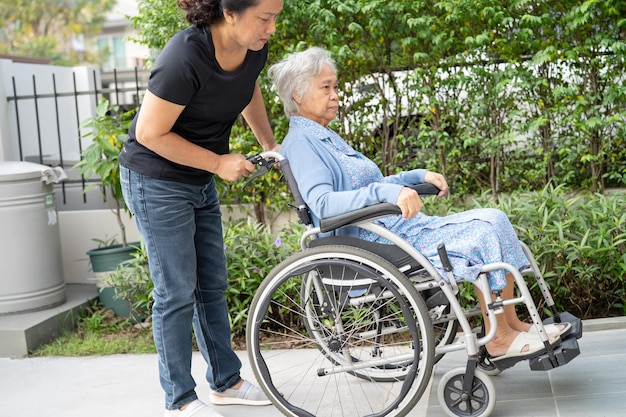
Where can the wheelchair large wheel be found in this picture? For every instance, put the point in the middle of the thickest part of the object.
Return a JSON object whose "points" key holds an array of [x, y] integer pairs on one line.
{"points": [[337, 330], [384, 326]]}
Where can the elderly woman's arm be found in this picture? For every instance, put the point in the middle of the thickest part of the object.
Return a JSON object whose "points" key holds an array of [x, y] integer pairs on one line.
{"points": [[317, 177], [415, 176]]}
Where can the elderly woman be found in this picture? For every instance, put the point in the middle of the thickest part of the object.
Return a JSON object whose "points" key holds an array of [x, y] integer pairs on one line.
{"points": [[333, 178]]}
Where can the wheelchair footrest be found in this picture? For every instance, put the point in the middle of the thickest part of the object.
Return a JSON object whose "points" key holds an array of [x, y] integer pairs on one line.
{"points": [[564, 353], [577, 324]]}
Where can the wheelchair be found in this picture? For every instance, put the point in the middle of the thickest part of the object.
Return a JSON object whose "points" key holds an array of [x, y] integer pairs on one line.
{"points": [[347, 327]]}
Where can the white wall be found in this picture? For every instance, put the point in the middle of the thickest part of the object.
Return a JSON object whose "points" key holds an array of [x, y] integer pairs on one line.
{"points": [[44, 130], [77, 229]]}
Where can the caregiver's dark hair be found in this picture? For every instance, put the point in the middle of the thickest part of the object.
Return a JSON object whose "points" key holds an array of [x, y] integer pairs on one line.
{"points": [[207, 12]]}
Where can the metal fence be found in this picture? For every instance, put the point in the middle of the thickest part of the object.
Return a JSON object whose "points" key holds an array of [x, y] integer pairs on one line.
{"points": [[46, 121]]}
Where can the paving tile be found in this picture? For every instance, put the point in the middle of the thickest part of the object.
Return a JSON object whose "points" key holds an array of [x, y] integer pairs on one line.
{"points": [[601, 405], [592, 385]]}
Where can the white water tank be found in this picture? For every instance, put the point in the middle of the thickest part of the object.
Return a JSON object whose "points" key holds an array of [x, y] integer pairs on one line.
{"points": [[31, 268]]}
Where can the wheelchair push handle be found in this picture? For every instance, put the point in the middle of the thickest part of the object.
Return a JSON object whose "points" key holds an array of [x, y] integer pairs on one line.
{"points": [[265, 162], [264, 165]]}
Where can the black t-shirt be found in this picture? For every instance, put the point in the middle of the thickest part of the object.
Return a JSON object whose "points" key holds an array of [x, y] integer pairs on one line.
{"points": [[187, 73]]}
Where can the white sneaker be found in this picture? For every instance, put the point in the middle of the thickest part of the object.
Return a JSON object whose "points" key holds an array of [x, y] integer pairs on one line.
{"points": [[195, 408], [247, 394]]}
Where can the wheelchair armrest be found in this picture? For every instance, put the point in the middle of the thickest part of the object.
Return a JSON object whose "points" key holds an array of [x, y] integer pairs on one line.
{"points": [[366, 213], [425, 189], [372, 212]]}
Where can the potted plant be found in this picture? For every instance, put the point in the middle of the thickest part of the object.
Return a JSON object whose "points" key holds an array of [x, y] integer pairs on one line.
{"points": [[129, 288], [108, 130]]}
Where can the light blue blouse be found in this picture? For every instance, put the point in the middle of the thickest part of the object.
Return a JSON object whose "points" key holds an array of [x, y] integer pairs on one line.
{"points": [[325, 181]]}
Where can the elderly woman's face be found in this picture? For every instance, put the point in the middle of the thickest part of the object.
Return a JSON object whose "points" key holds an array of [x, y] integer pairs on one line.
{"points": [[321, 102]]}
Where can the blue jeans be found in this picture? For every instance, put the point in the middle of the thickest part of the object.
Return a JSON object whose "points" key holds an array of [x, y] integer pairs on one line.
{"points": [[181, 227]]}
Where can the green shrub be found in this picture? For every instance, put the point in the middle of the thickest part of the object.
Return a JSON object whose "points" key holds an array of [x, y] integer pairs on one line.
{"points": [[132, 282], [579, 242], [252, 250], [99, 332]]}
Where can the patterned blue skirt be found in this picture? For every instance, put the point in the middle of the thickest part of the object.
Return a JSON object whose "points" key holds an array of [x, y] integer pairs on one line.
{"points": [[472, 238]]}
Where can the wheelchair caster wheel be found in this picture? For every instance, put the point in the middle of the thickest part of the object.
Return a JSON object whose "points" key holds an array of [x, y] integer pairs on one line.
{"points": [[456, 401]]}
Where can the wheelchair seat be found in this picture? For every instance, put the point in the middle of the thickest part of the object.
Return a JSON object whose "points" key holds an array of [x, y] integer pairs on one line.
{"points": [[399, 258], [405, 263]]}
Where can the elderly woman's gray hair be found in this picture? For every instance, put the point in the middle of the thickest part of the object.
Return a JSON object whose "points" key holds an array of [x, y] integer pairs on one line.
{"points": [[293, 75]]}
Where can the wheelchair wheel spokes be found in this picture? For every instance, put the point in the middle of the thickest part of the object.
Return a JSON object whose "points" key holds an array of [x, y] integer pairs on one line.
{"points": [[339, 335], [366, 329]]}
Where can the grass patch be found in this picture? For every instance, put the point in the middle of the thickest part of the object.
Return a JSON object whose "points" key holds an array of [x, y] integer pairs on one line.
{"points": [[100, 332]]}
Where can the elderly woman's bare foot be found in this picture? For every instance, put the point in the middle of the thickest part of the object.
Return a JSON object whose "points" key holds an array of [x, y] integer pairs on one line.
{"points": [[512, 343], [553, 330], [501, 343]]}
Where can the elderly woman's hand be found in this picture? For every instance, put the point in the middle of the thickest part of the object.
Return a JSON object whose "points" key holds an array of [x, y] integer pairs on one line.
{"points": [[409, 202], [437, 180]]}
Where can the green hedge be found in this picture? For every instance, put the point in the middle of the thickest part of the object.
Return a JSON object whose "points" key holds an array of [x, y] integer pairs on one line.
{"points": [[252, 250], [579, 243]]}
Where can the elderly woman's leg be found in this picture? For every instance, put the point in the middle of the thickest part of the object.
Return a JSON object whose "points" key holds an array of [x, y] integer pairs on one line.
{"points": [[509, 327], [505, 334], [509, 311], [513, 319]]}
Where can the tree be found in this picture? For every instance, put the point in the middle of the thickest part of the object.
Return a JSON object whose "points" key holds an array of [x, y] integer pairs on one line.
{"points": [[506, 95], [156, 22], [47, 28], [597, 57]]}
